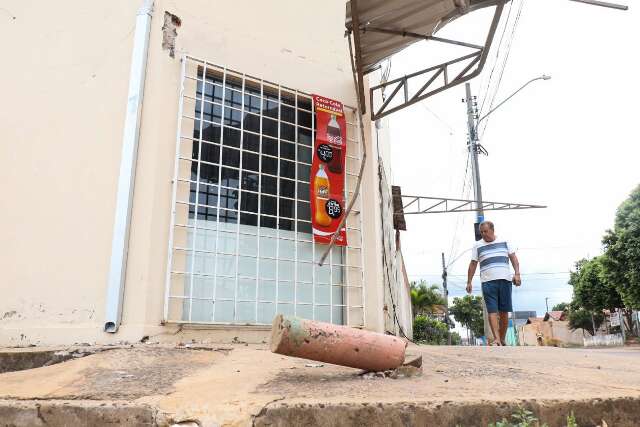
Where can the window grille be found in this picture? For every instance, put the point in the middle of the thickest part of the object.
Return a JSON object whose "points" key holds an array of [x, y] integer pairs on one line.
{"points": [[240, 242]]}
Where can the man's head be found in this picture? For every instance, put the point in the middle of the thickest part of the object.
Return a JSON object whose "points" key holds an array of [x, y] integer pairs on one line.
{"points": [[487, 231]]}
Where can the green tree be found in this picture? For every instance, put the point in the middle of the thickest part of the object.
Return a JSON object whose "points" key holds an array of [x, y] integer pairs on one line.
{"points": [[579, 318], [592, 289], [563, 306], [468, 311], [425, 298], [429, 331], [622, 251]]}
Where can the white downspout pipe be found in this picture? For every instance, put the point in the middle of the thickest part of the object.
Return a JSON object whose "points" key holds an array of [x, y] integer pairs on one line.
{"points": [[126, 179]]}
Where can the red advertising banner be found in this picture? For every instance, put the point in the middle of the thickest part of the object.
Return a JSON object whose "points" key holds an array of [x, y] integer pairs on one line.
{"points": [[328, 171]]}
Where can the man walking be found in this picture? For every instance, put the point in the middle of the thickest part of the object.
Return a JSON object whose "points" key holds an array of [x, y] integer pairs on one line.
{"points": [[494, 255]]}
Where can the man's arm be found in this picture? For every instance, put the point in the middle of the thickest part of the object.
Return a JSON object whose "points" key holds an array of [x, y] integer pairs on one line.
{"points": [[472, 270], [516, 269]]}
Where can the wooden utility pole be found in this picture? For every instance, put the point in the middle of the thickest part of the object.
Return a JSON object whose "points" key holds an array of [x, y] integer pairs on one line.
{"points": [[446, 299]]}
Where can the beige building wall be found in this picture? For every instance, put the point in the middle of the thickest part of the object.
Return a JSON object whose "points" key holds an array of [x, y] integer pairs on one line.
{"points": [[66, 77]]}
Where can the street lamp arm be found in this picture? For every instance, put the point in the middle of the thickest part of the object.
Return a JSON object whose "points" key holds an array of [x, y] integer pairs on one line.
{"points": [[543, 77]]}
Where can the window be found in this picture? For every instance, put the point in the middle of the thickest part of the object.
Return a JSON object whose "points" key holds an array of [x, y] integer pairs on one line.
{"points": [[241, 243]]}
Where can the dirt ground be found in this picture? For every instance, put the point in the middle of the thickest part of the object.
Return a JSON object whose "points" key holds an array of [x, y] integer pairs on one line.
{"points": [[236, 384]]}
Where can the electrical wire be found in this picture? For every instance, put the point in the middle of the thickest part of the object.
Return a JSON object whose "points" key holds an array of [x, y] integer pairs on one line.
{"points": [[504, 66]]}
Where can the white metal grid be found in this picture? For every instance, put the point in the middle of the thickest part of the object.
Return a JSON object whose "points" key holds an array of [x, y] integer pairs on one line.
{"points": [[199, 257]]}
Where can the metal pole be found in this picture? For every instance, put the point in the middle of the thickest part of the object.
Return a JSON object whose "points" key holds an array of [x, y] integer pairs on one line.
{"points": [[473, 149], [604, 4], [446, 299]]}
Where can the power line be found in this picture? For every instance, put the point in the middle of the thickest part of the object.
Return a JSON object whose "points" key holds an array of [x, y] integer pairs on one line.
{"points": [[504, 63]]}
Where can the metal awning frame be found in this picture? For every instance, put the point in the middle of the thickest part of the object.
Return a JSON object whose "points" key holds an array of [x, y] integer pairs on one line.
{"points": [[413, 205], [478, 57]]}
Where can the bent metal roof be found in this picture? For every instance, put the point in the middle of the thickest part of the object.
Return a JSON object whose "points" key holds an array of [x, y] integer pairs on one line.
{"points": [[389, 26]]}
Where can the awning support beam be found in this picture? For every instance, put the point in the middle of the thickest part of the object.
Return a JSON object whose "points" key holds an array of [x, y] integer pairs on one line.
{"points": [[476, 59], [414, 205]]}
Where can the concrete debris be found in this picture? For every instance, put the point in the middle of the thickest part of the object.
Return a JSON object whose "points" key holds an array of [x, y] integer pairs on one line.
{"points": [[400, 372]]}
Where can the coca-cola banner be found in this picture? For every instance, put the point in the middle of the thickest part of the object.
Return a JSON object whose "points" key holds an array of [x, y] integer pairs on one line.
{"points": [[327, 171]]}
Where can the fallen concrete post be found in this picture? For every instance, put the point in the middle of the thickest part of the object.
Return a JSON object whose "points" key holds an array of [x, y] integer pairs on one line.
{"points": [[339, 345]]}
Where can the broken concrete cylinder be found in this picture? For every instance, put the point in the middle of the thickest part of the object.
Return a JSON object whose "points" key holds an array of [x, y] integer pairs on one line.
{"points": [[339, 345]]}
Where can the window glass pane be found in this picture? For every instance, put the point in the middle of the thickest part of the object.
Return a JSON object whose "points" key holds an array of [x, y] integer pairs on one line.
{"points": [[304, 293], [228, 216], [246, 312], [287, 208], [287, 150], [303, 191], [304, 103], [304, 118], [287, 169], [270, 108], [224, 311], [230, 177], [285, 291], [285, 224], [251, 142], [247, 267], [269, 185], [207, 214], [304, 210], [210, 112], [269, 165], [267, 290], [269, 127], [247, 245], [304, 172], [250, 161], [288, 114], [249, 180], [287, 98], [232, 117], [268, 205], [304, 311], [266, 312], [305, 252], [249, 202], [252, 122], [225, 287], [269, 146], [304, 154], [208, 173], [305, 273], [208, 195], [210, 152], [252, 103], [267, 268], [304, 136], [233, 98], [231, 157], [287, 249], [211, 132], [248, 219], [268, 223], [287, 188], [228, 198], [231, 137], [226, 265], [285, 309], [287, 131], [233, 82]]}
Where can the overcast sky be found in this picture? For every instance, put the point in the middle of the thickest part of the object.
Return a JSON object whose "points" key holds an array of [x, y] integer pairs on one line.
{"points": [[568, 143]]}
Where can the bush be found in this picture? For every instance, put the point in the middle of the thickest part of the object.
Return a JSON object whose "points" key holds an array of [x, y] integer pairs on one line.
{"points": [[429, 331]]}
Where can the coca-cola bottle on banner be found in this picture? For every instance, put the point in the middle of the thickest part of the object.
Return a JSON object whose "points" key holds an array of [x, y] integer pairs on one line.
{"points": [[334, 136]]}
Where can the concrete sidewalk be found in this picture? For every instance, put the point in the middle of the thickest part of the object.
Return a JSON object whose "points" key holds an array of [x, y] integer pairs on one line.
{"points": [[240, 384]]}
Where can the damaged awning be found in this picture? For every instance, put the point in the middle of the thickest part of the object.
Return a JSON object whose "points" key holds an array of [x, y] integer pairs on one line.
{"points": [[388, 26]]}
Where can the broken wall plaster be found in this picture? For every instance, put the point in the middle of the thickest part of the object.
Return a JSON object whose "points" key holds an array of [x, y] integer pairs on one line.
{"points": [[170, 32]]}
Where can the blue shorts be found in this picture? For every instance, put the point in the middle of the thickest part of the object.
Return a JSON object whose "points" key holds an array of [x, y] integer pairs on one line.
{"points": [[497, 295]]}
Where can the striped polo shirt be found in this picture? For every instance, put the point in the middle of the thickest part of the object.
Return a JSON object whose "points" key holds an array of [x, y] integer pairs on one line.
{"points": [[493, 258]]}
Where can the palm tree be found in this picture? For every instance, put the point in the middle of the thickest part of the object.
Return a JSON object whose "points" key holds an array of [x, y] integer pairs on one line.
{"points": [[424, 298]]}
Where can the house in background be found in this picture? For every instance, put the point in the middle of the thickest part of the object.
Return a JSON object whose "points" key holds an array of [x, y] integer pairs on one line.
{"points": [[552, 329]]}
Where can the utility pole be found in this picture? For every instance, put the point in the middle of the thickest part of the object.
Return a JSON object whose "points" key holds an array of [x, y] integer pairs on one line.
{"points": [[446, 299], [546, 301], [472, 116]]}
